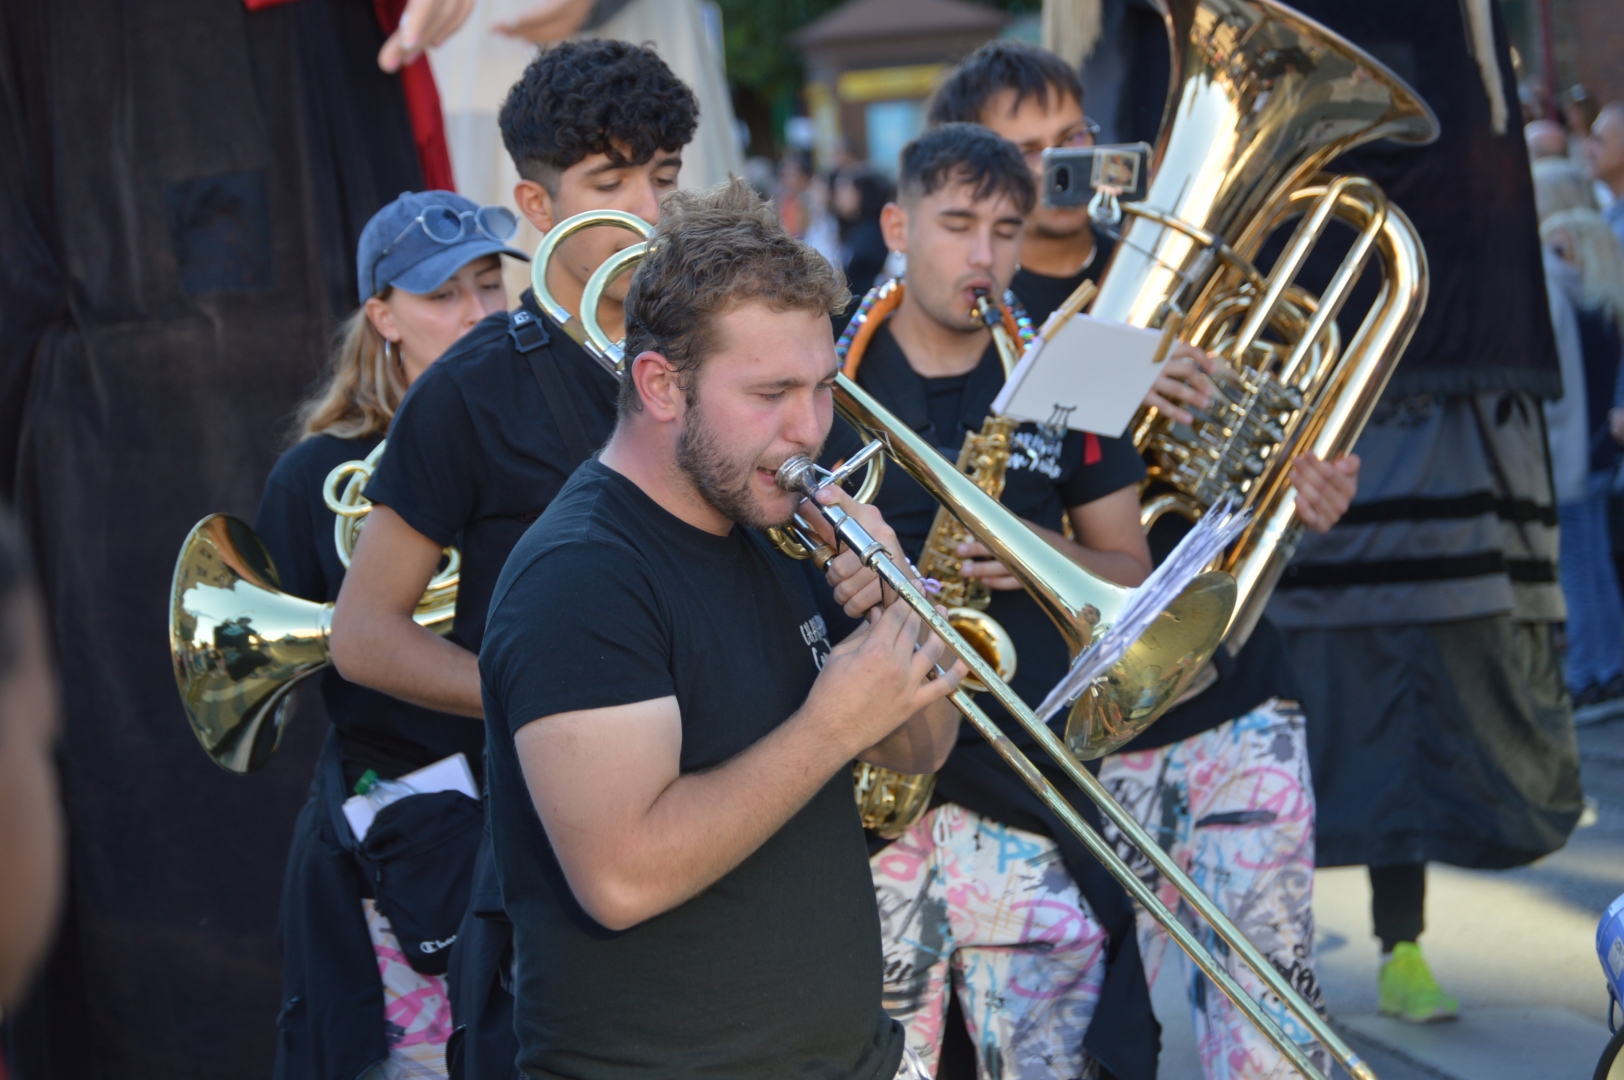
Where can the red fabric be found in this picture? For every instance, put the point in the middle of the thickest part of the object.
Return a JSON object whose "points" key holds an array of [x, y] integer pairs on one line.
{"points": [[422, 104], [1091, 449], [251, 5]]}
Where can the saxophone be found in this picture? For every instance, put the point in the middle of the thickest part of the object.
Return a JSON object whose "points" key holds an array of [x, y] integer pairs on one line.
{"points": [[889, 802]]}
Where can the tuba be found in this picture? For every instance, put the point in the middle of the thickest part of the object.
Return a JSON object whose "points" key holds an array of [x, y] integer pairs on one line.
{"points": [[1262, 98], [240, 645]]}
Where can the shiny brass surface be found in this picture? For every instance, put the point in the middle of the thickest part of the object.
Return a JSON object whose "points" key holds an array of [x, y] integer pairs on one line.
{"points": [[797, 475], [240, 645], [1262, 99], [578, 328], [889, 803], [342, 492]]}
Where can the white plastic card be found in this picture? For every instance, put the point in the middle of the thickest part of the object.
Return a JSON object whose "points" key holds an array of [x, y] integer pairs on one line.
{"points": [[1091, 377], [448, 774]]}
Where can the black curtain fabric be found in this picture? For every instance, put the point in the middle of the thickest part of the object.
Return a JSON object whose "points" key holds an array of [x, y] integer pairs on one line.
{"points": [[182, 185], [1487, 327]]}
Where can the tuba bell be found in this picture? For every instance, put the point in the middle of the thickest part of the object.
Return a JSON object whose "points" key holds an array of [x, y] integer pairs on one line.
{"points": [[1262, 99]]}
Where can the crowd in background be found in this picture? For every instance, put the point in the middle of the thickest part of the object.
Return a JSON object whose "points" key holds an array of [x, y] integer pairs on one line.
{"points": [[1578, 167]]}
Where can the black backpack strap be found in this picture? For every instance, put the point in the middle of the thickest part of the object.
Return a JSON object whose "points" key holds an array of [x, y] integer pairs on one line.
{"points": [[529, 335]]}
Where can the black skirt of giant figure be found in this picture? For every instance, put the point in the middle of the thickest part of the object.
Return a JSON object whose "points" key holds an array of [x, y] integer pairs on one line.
{"points": [[182, 185]]}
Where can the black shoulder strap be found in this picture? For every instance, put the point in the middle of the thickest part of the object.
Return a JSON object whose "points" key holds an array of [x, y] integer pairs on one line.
{"points": [[529, 335]]}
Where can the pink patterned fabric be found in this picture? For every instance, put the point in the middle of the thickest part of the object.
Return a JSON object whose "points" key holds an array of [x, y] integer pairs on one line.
{"points": [[994, 906], [416, 1008], [1235, 807]]}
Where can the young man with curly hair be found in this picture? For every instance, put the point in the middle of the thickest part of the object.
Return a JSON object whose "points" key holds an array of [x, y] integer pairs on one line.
{"points": [[672, 706], [491, 432]]}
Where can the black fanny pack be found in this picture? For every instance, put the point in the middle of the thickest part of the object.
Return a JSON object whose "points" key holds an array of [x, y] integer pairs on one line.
{"points": [[418, 861]]}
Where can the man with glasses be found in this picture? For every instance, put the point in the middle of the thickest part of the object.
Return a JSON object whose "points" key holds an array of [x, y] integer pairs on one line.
{"points": [[489, 434], [1222, 779]]}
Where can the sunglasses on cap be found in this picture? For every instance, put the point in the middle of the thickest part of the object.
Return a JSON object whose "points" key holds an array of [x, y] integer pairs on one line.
{"points": [[448, 225]]}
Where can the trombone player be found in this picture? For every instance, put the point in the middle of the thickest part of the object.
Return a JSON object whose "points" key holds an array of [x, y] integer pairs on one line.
{"points": [[672, 706]]}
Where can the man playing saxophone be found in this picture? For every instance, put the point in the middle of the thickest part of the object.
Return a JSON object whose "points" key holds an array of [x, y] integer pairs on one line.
{"points": [[987, 892], [1223, 776]]}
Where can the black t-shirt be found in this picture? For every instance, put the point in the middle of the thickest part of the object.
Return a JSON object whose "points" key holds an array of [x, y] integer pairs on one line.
{"points": [[775, 970], [476, 454], [376, 731], [1046, 476], [1042, 294], [1261, 670]]}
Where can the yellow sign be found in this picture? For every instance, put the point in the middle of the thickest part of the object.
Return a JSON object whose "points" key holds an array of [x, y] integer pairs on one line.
{"points": [[887, 84]]}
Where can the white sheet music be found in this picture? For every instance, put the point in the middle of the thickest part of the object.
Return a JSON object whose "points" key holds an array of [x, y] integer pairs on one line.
{"points": [[1091, 377]]}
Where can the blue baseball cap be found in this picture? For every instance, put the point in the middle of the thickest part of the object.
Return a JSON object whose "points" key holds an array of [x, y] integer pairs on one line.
{"points": [[422, 238]]}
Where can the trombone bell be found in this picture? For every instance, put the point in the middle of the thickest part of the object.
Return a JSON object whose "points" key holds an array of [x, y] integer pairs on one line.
{"points": [[240, 644]]}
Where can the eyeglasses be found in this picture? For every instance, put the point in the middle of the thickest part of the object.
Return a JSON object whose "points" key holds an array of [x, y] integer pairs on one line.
{"points": [[446, 225], [1083, 136]]}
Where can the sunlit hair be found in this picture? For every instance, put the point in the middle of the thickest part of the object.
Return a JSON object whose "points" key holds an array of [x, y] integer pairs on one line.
{"points": [[362, 388], [713, 251], [1592, 247], [1560, 185]]}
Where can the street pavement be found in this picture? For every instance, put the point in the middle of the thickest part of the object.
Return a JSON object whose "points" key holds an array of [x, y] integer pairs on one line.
{"points": [[1516, 947]]}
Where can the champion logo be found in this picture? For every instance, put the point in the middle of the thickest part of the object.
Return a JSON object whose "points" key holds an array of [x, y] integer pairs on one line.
{"points": [[429, 948]]}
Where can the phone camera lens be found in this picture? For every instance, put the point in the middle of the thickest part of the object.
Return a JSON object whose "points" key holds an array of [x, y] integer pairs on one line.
{"points": [[1062, 179]]}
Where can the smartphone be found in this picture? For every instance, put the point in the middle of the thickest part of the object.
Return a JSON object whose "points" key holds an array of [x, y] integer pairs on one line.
{"points": [[1072, 174]]}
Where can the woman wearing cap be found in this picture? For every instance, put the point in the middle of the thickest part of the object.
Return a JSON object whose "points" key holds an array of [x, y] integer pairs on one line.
{"points": [[355, 1002]]}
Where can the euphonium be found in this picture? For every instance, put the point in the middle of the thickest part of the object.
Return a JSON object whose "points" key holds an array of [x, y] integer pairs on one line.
{"points": [[1262, 99], [240, 644]]}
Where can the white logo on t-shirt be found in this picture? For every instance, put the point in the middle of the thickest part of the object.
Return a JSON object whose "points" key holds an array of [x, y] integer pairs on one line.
{"points": [[815, 632], [1038, 450]]}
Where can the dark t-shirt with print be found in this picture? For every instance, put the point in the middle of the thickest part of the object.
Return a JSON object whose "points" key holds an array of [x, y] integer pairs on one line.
{"points": [[774, 970], [375, 730], [476, 453], [1245, 681]]}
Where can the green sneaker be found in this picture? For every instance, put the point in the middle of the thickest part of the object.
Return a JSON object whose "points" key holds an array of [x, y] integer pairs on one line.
{"points": [[1408, 990]]}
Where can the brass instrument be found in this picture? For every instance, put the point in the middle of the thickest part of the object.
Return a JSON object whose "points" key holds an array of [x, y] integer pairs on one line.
{"points": [[1262, 99], [1145, 681], [240, 644]]}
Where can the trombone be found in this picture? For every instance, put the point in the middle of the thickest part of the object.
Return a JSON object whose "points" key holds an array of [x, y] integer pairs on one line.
{"points": [[1162, 662]]}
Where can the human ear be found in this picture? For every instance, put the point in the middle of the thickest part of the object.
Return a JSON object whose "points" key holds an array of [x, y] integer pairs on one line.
{"points": [[657, 385], [382, 318], [535, 204], [894, 227]]}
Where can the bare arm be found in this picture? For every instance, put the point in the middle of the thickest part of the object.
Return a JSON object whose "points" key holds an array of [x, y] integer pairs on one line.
{"points": [[636, 837], [1110, 543], [376, 643]]}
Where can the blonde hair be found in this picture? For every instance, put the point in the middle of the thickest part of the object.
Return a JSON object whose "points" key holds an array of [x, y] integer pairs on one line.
{"points": [[1600, 259], [1560, 185], [362, 388]]}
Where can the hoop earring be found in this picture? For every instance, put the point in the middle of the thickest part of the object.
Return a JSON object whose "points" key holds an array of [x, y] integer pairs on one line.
{"points": [[391, 353]]}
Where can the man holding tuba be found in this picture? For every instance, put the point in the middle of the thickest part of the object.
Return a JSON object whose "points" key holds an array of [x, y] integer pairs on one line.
{"points": [[671, 710], [1223, 776], [491, 432]]}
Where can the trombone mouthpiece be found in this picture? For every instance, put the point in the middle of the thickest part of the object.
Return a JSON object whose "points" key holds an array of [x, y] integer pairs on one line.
{"points": [[798, 474]]}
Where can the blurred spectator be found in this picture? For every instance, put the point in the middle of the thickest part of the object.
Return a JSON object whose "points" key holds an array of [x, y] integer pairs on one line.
{"points": [[1546, 139], [859, 196], [1578, 110], [31, 855], [1604, 150], [1560, 185], [794, 177], [822, 227], [1585, 278]]}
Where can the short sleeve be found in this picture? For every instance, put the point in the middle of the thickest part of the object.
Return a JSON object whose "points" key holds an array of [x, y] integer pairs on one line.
{"points": [[1107, 465], [578, 628], [433, 465], [286, 524]]}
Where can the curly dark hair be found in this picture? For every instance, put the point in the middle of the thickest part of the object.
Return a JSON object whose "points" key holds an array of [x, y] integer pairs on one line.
{"points": [[966, 154], [999, 65], [581, 98], [711, 252]]}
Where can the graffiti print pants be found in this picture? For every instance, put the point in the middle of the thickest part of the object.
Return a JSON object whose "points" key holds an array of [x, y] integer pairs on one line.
{"points": [[967, 903], [1235, 807]]}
